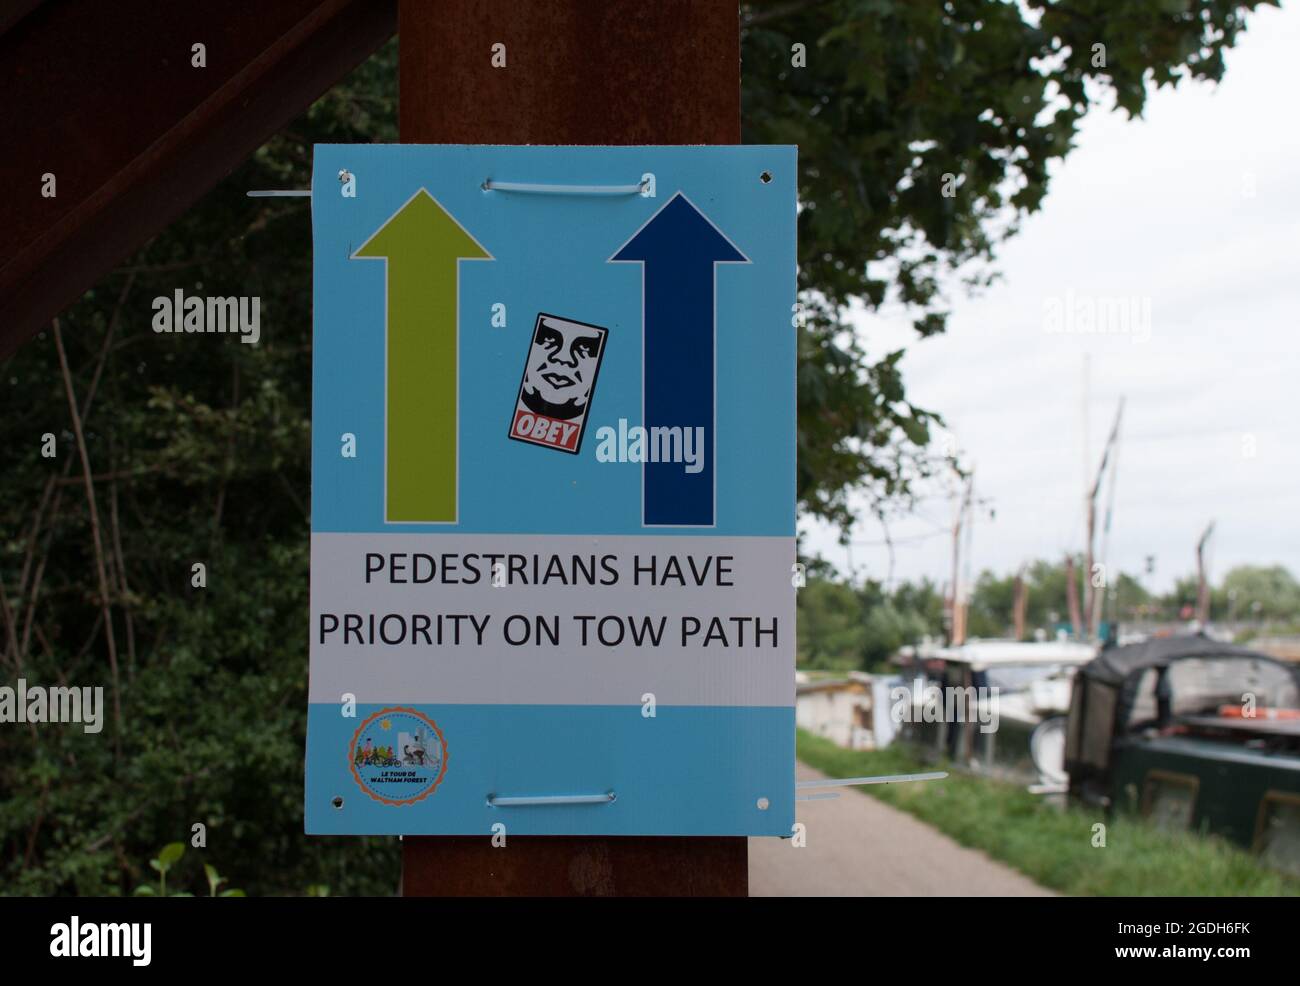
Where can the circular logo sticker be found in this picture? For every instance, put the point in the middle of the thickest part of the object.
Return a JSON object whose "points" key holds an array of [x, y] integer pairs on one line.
{"points": [[398, 756]]}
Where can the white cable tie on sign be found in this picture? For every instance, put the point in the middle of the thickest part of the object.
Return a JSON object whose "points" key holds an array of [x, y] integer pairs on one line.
{"points": [[937, 775], [285, 193], [518, 186], [551, 799]]}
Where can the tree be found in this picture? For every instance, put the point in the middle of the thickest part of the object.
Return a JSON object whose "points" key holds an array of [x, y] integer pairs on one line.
{"points": [[199, 452], [926, 131], [925, 600], [829, 625], [1273, 588], [1127, 598], [1180, 602], [992, 606], [1046, 602], [889, 629]]}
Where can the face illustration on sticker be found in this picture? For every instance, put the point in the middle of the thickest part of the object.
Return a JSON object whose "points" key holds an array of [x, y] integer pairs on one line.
{"points": [[558, 384], [561, 368]]}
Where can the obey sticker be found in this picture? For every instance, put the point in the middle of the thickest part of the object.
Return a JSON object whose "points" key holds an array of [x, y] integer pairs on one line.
{"points": [[558, 384]]}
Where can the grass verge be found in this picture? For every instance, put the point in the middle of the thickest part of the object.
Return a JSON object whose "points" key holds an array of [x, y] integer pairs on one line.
{"points": [[1053, 846]]}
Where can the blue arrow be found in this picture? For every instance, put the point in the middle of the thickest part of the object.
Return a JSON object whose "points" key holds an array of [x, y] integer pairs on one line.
{"points": [[678, 248]]}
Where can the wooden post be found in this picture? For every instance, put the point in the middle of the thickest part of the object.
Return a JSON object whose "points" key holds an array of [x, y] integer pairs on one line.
{"points": [[575, 72]]}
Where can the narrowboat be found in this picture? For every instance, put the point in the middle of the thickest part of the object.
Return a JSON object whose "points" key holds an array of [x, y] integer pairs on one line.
{"points": [[1194, 734]]}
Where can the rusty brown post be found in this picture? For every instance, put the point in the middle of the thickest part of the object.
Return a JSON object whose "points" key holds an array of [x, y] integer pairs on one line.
{"points": [[576, 72]]}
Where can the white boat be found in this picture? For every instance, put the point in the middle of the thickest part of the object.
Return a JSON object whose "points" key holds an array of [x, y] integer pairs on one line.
{"points": [[997, 706]]}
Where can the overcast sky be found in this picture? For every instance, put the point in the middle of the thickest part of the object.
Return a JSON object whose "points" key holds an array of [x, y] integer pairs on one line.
{"points": [[1192, 209]]}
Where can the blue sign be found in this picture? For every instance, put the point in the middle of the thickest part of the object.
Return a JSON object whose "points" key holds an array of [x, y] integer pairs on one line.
{"points": [[553, 459]]}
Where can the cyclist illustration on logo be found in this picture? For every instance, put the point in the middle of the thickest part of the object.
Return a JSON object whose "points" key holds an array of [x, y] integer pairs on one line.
{"points": [[398, 756]]}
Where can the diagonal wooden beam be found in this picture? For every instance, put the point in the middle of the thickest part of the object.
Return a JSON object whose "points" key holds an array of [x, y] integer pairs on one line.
{"points": [[104, 97]]}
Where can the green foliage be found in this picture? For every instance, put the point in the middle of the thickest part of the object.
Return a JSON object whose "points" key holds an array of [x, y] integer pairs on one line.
{"points": [[922, 598], [1050, 845], [167, 859], [843, 628], [1259, 592], [888, 629], [168, 856], [897, 100], [831, 634], [200, 450], [991, 606]]}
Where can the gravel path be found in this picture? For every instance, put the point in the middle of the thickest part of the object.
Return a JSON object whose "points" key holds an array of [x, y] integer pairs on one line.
{"points": [[860, 846]]}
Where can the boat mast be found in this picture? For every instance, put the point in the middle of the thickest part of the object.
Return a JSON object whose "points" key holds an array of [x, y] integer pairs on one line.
{"points": [[1110, 456], [1202, 586]]}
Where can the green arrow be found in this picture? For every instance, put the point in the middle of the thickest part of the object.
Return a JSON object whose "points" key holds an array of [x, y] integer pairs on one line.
{"points": [[423, 245]]}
